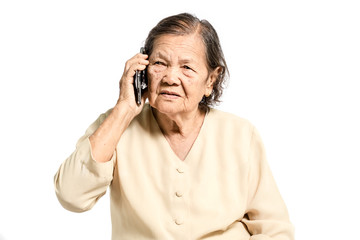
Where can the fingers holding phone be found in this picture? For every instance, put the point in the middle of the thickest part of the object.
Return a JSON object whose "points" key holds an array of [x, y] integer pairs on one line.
{"points": [[140, 82], [133, 82]]}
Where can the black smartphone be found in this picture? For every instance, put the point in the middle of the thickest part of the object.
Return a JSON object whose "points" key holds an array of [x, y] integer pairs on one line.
{"points": [[140, 82]]}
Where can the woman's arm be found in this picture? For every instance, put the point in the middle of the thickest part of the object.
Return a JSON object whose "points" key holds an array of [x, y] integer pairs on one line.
{"points": [[266, 215], [85, 175], [105, 138], [80, 180]]}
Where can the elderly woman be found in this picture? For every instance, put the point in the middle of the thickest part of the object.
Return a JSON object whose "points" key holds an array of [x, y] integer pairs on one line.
{"points": [[176, 168]]}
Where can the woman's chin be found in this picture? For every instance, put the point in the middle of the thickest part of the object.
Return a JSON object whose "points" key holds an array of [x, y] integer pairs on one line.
{"points": [[172, 106], [167, 107]]}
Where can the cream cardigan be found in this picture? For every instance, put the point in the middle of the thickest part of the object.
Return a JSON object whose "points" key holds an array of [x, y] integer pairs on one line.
{"points": [[223, 190]]}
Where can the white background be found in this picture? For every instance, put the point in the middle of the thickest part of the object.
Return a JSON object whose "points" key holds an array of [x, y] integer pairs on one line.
{"points": [[294, 69]]}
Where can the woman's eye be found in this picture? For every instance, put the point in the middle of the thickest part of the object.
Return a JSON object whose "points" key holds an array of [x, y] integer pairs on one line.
{"points": [[158, 63], [188, 68]]}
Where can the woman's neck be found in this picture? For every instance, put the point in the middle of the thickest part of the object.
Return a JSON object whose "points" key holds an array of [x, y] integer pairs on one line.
{"points": [[179, 124]]}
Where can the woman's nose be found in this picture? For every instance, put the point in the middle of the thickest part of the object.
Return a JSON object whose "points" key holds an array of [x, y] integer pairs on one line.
{"points": [[171, 76]]}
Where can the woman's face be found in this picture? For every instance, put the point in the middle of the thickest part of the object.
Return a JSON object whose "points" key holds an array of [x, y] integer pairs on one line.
{"points": [[178, 74]]}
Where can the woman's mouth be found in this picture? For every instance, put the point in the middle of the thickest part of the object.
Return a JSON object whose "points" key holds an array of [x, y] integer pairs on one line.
{"points": [[169, 94]]}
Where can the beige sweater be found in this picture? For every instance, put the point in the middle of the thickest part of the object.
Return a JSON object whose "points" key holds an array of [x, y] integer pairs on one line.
{"points": [[223, 190]]}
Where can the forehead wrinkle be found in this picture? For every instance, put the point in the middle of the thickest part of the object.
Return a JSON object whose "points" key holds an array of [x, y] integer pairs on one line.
{"points": [[183, 58], [187, 50], [180, 59]]}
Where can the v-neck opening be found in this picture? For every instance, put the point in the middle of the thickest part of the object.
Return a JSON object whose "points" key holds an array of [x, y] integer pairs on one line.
{"points": [[167, 144]]}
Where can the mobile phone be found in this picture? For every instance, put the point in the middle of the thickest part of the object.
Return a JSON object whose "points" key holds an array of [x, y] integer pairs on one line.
{"points": [[140, 82]]}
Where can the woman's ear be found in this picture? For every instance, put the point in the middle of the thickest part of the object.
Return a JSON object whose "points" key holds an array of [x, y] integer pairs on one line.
{"points": [[211, 80]]}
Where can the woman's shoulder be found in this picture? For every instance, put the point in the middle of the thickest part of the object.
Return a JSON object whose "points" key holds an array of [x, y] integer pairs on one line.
{"points": [[220, 116], [229, 125]]}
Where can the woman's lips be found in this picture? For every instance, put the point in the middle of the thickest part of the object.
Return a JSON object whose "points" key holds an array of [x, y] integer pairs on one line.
{"points": [[169, 94]]}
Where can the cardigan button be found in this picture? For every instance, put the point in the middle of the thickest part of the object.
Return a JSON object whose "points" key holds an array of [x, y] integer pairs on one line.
{"points": [[179, 194], [179, 221], [180, 170]]}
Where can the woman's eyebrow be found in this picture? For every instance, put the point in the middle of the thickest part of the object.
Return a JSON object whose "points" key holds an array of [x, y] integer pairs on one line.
{"points": [[182, 60], [187, 60], [161, 55]]}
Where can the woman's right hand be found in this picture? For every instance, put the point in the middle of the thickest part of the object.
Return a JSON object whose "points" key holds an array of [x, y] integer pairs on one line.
{"points": [[127, 95]]}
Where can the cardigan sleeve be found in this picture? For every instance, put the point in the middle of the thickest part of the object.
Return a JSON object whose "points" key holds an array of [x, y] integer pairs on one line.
{"points": [[80, 180], [266, 215]]}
